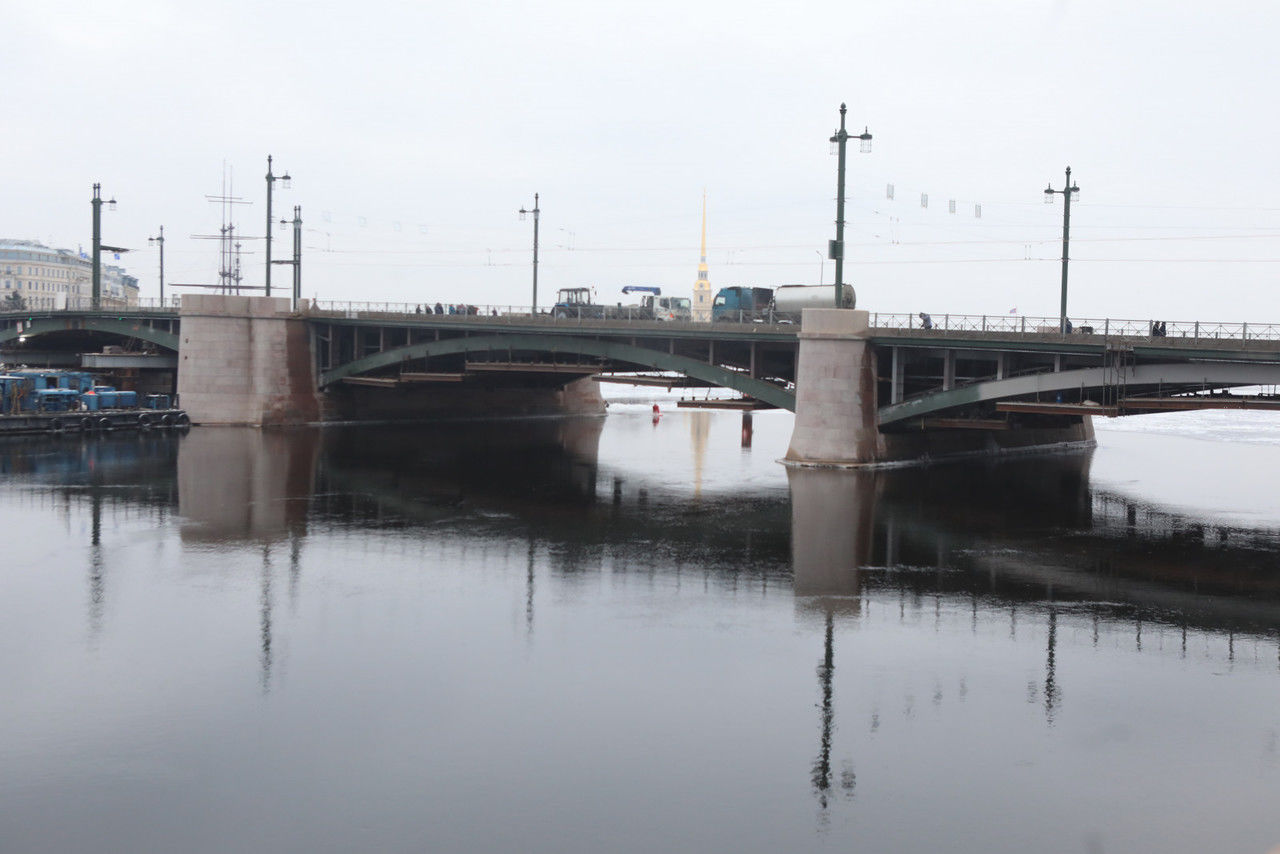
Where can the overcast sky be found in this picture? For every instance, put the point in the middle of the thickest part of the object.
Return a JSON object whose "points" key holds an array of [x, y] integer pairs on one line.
{"points": [[415, 131]]}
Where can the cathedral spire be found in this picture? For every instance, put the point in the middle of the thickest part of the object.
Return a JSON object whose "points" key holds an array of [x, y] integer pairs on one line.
{"points": [[702, 288]]}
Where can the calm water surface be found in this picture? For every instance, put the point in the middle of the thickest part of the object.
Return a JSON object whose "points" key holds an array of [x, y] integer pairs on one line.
{"points": [[621, 635]]}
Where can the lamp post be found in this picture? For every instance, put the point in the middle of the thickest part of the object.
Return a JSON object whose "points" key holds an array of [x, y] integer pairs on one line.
{"points": [[822, 266], [536, 212], [835, 249], [1068, 192], [96, 293], [271, 179], [159, 241]]}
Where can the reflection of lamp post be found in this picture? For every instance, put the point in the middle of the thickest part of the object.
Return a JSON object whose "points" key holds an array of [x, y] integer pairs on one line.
{"points": [[535, 213], [1069, 192], [159, 241], [271, 179], [96, 294], [836, 249]]}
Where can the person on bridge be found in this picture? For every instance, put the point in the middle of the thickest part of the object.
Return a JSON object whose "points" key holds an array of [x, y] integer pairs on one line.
{"points": [[439, 308], [926, 321]]}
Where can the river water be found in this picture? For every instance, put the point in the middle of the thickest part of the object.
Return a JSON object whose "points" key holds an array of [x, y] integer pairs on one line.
{"points": [[634, 635]]}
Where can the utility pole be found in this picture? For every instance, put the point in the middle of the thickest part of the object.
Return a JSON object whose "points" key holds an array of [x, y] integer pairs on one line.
{"points": [[1068, 192], [536, 212], [95, 295], [835, 249], [297, 255], [296, 262], [271, 179], [159, 241]]}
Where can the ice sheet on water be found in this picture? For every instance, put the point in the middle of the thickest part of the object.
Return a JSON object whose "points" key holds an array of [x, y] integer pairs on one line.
{"points": [[1215, 425]]}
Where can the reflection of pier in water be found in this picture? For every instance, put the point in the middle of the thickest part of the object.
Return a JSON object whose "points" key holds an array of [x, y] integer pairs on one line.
{"points": [[238, 486], [1022, 540], [1017, 532]]}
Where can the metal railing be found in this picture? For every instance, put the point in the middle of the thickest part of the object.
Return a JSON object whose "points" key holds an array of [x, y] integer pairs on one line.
{"points": [[488, 312], [1084, 326], [994, 324], [80, 305]]}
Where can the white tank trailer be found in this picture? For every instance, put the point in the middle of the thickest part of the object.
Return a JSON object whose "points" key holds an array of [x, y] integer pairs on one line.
{"points": [[789, 300]]}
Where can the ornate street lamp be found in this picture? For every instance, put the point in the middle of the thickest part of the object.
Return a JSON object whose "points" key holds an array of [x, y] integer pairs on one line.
{"points": [[1070, 192], [835, 249]]}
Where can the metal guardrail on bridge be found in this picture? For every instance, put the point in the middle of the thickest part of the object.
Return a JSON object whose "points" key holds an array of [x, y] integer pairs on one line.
{"points": [[1003, 324], [989, 323], [1105, 327]]}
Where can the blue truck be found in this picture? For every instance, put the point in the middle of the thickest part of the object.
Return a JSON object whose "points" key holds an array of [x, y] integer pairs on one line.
{"points": [[741, 304]]}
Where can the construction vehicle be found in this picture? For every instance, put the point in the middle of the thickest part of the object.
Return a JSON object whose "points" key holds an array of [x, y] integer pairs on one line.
{"points": [[660, 307]]}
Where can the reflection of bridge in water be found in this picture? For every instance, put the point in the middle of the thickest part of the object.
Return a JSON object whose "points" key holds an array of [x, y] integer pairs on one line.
{"points": [[1026, 538], [1018, 551]]}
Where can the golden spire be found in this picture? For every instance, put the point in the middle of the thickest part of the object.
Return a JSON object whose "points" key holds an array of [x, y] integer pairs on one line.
{"points": [[702, 289]]}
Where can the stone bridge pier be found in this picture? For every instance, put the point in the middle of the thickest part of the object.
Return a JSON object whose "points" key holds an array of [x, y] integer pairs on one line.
{"points": [[835, 391], [245, 360]]}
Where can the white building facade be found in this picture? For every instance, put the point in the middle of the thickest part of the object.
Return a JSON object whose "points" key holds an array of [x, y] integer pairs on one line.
{"points": [[36, 277]]}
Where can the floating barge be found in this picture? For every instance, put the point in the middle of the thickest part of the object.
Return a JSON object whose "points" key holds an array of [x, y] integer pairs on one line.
{"points": [[50, 401], [101, 421]]}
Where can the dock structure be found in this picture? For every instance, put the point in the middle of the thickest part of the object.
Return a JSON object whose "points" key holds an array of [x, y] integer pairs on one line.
{"points": [[867, 388]]}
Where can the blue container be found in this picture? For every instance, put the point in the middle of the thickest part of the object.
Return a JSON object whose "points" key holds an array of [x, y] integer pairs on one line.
{"points": [[157, 401], [56, 399], [90, 401], [101, 388], [108, 399]]}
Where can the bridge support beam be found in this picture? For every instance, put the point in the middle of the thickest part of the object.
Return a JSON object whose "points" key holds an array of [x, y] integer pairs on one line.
{"points": [[245, 360], [835, 391]]}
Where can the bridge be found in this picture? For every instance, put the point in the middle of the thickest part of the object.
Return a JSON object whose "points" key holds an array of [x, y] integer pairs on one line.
{"points": [[987, 376]]}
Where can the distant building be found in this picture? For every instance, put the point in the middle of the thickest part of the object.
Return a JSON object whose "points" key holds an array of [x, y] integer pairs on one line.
{"points": [[48, 278], [702, 288]]}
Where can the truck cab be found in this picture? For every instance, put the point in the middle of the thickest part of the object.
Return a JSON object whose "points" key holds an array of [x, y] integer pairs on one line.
{"points": [[741, 304]]}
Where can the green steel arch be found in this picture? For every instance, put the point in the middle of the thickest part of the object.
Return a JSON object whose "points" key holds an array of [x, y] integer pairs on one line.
{"points": [[110, 325], [1173, 376], [569, 344]]}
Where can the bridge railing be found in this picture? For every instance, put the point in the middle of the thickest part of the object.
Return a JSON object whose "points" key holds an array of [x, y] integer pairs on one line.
{"points": [[1003, 324], [490, 312], [1106, 327], [81, 305]]}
